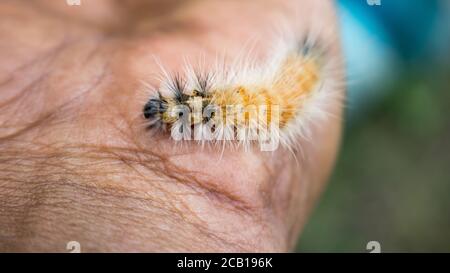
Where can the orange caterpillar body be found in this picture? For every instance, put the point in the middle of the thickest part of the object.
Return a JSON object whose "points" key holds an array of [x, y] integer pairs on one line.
{"points": [[246, 102]]}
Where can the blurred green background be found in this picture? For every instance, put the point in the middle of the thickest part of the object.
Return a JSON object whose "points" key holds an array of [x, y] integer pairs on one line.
{"points": [[391, 183]]}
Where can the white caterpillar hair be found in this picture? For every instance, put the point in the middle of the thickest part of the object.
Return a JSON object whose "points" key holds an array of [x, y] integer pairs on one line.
{"points": [[279, 98]]}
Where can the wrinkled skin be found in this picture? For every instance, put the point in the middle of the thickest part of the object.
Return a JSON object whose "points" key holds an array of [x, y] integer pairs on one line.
{"points": [[77, 164]]}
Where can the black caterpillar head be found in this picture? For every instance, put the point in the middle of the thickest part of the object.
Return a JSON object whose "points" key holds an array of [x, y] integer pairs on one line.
{"points": [[154, 108]]}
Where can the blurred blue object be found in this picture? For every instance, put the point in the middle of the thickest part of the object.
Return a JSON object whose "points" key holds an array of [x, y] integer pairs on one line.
{"points": [[379, 41]]}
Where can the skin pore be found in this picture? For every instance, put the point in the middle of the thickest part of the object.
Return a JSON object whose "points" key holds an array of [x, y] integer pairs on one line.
{"points": [[77, 164]]}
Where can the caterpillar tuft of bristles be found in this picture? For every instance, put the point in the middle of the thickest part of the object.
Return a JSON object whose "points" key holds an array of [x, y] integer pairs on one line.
{"points": [[275, 101]]}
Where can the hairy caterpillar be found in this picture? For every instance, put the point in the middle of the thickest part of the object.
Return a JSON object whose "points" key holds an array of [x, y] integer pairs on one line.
{"points": [[271, 102]]}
